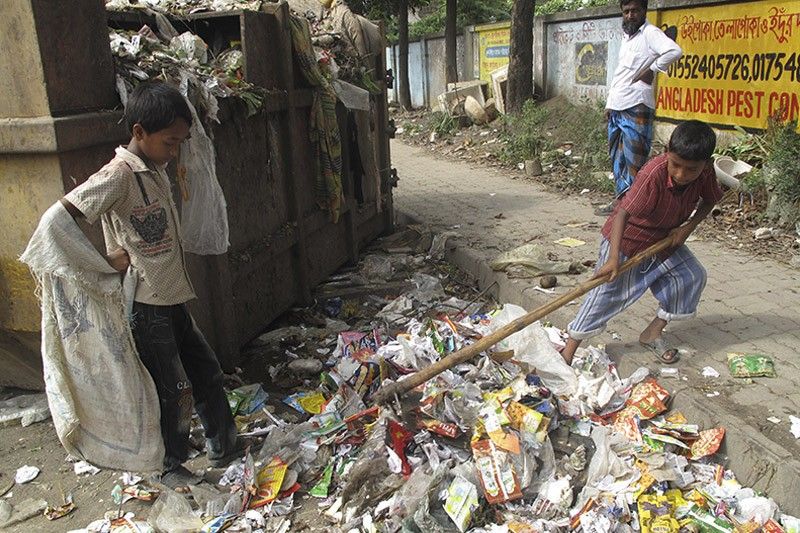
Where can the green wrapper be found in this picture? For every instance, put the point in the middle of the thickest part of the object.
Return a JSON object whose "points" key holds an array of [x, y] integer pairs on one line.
{"points": [[750, 365], [320, 490]]}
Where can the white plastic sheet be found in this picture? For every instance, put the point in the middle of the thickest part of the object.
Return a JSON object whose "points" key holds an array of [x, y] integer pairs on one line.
{"points": [[204, 214]]}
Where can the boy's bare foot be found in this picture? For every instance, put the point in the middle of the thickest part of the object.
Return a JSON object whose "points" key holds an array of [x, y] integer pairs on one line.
{"points": [[653, 330], [569, 350]]}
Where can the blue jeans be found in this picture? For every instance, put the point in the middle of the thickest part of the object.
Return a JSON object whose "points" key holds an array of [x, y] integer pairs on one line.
{"points": [[186, 372]]}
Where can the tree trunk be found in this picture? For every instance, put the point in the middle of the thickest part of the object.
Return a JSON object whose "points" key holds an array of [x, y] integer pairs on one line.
{"points": [[402, 61], [450, 30], [520, 66]]}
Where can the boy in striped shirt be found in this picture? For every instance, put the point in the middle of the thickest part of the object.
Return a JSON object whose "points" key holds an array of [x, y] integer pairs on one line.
{"points": [[667, 190]]}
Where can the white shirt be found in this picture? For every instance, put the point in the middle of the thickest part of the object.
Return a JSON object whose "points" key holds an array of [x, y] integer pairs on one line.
{"points": [[647, 48]]}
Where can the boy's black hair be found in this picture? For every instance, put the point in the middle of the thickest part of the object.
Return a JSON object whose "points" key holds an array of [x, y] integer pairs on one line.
{"points": [[155, 106], [642, 3], [693, 140]]}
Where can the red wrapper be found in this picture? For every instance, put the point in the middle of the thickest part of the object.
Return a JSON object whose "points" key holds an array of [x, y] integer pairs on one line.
{"points": [[440, 428], [399, 438], [708, 443]]}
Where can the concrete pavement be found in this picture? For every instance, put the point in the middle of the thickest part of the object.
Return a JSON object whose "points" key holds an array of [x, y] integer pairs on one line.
{"points": [[749, 305]]}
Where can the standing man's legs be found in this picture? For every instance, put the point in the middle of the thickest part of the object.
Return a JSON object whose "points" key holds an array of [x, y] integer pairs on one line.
{"points": [[630, 137]]}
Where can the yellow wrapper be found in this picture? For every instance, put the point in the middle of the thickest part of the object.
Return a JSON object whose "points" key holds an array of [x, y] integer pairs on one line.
{"points": [[312, 403]]}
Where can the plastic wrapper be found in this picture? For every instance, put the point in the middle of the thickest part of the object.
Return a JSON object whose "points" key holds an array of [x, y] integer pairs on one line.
{"points": [[496, 472], [172, 513], [269, 479], [708, 443], [462, 500], [532, 258], [744, 365], [657, 512], [322, 487], [399, 437], [706, 522], [532, 346], [189, 46]]}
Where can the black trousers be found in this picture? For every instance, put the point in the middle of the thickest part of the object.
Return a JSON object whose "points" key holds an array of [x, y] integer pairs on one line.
{"points": [[185, 371]]}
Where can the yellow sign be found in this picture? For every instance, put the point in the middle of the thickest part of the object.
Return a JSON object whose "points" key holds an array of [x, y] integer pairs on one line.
{"points": [[494, 44], [740, 64]]}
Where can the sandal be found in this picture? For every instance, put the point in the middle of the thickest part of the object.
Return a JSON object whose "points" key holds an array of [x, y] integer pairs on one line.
{"points": [[179, 478], [662, 351]]}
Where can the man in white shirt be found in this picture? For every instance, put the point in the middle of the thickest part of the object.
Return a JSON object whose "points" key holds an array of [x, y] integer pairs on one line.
{"points": [[630, 108]]}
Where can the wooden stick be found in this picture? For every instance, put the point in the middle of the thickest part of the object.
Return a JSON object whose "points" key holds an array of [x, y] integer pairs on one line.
{"points": [[399, 388]]}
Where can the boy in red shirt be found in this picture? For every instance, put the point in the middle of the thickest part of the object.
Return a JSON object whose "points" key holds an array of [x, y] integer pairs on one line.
{"points": [[660, 203]]}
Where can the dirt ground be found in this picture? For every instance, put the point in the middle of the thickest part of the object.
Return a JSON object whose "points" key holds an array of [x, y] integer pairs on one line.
{"points": [[733, 223]]}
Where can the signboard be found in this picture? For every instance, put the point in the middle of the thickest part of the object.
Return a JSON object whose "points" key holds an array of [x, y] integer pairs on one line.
{"points": [[740, 64], [494, 44]]}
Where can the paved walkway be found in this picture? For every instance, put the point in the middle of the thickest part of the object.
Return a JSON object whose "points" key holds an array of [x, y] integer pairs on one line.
{"points": [[750, 304]]}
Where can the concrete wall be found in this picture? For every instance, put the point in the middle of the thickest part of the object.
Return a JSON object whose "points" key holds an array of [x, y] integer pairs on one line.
{"points": [[581, 57], [426, 69], [55, 126]]}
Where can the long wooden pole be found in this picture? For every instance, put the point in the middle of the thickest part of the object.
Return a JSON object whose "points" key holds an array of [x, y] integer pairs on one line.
{"points": [[399, 388]]}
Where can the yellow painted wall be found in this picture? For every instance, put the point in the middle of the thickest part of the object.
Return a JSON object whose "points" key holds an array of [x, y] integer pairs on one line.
{"points": [[22, 89], [29, 185]]}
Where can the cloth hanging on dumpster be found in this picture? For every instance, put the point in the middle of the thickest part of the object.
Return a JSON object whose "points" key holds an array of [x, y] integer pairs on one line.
{"points": [[102, 399], [324, 127]]}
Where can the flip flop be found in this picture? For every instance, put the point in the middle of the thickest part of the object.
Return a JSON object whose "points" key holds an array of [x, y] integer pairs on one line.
{"points": [[662, 351], [180, 477]]}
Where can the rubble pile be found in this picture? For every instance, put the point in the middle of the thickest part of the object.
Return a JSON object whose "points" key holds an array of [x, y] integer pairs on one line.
{"points": [[512, 441]]}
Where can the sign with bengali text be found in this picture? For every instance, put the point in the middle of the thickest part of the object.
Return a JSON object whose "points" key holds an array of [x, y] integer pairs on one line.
{"points": [[740, 64], [494, 45]]}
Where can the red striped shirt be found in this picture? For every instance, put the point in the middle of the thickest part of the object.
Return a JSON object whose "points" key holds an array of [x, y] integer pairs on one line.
{"points": [[657, 206]]}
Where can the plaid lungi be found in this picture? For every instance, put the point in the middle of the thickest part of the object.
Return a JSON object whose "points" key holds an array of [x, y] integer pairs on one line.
{"points": [[630, 136], [677, 283]]}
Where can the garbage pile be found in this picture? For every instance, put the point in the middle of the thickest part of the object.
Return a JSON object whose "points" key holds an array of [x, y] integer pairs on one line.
{"points": [[162, 53], [513, 441], [183, 7]]}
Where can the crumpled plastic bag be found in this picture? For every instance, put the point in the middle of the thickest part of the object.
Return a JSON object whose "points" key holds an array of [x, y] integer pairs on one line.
{"points": [[752, 507], [172, 513], [533, 346], [605, 466], [189, 46], [204, 211], [27, 409], [532, 258]]}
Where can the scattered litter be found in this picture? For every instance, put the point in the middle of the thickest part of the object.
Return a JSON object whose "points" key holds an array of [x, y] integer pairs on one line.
{"points": [[709, 372], [54, 513], [774, 419], [543, 290], [570, 242], [713, 394], [82, 467], [26, 474], [668, 372], [533, 259], [765, 233], [795, 429], [26, 409], [744, 365]]}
